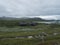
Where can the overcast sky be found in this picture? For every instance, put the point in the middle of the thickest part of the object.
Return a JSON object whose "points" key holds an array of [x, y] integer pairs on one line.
{"points": [[23, 8]]}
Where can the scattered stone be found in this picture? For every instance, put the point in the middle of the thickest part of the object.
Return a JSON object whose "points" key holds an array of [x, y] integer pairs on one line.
{"points": [[55, 33], [30, 37]]}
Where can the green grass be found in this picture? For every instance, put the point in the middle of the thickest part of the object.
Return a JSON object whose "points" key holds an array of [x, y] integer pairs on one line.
{"points": [[29, 41], [7, 32], [19, 42], [18, 30]]}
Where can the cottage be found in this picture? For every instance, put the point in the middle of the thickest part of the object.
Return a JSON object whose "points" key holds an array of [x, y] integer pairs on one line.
{"points": [[32, 23], [27, 24], [22, 24]]}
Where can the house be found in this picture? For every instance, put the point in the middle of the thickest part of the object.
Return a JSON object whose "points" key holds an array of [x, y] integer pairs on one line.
{"points": [[23, 24], [27, 24], [32, 24]]}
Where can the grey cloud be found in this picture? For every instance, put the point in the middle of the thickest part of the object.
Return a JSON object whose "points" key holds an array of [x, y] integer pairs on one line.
{"points": [[30, 7], [3, 11]]}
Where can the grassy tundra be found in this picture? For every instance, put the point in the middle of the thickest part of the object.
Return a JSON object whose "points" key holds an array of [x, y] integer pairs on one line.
{"points": [[9, 29]]}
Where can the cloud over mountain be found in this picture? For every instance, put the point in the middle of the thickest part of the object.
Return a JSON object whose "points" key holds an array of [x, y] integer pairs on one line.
{"points": [[29, 7]]}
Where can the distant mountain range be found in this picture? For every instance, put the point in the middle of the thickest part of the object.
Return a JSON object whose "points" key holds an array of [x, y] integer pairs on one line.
{"points": [[24, 18]]}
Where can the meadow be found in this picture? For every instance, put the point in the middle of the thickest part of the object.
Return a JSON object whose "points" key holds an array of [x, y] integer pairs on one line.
{"points": [[9, 30]]}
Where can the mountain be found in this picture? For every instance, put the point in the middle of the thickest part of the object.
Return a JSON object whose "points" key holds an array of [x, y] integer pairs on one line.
{"points": [[7, 18], [36, 19], [23, 18]]}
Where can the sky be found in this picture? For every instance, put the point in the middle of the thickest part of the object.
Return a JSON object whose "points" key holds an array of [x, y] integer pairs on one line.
{"points": [[47, 9]]}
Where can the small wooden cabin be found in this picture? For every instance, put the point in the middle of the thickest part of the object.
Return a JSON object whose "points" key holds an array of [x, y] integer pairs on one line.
{"points": [[27, 24]]}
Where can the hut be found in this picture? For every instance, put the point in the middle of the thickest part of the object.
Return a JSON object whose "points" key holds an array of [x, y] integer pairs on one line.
{"points": [[27, 24], [22, 24], [32, 24]]}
